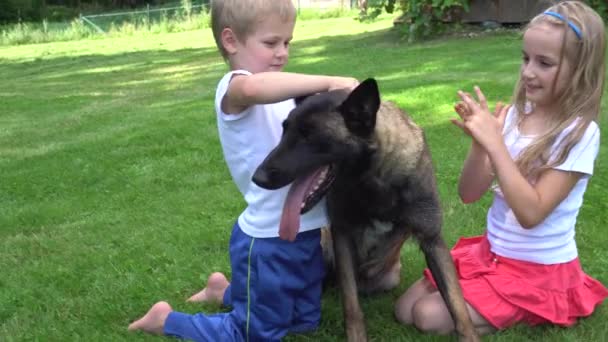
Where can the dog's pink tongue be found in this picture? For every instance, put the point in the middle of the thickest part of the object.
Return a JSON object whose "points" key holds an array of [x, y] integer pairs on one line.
{"points": [[290, 219]]}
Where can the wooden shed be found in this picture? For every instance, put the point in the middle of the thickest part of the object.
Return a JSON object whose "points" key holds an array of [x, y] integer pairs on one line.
{"points": [[503, 11]]}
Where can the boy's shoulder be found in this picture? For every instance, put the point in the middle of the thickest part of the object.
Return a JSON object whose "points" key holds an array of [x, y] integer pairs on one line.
{"points": [[224, 82], [227, 77]]}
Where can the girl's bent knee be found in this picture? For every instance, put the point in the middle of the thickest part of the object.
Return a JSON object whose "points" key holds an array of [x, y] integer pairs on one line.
{"points": [[403, 313], [429, 317], [422, 317]]}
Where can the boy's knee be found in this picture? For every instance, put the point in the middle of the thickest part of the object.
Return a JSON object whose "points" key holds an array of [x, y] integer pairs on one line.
{"points": [[304, 328]]}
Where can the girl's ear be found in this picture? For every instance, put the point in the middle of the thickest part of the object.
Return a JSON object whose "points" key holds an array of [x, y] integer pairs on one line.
{"points": [[229, 40]]}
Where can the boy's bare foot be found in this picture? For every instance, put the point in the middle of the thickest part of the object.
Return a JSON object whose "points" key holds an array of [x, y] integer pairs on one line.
{"points": [[153, 321], [214, 292]]}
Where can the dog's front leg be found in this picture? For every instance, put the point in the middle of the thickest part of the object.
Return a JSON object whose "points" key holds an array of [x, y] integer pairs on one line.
{"points": [[442, 267], [353, 315]]}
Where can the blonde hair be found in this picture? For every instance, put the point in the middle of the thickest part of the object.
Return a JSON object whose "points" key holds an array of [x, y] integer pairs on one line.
{"points": [[582, 96], [242, 16]]}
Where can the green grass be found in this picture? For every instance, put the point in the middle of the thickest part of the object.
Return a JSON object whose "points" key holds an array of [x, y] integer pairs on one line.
{"points": [[134, 23], [114, 193]]}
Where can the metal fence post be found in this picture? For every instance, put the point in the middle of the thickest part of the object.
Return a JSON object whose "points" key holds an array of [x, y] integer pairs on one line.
{"points": [[84, 19], [148, 10]]}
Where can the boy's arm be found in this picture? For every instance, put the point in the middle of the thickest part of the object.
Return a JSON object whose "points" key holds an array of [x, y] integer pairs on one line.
{"points": [[270, 87]]}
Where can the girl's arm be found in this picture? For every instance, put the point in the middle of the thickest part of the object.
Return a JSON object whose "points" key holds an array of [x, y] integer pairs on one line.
{"points": [[271, 87], [477, 176], [531, 204]]}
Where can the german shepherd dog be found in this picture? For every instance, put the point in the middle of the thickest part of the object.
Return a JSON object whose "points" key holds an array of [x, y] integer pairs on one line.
{"points": [[372, 162]]}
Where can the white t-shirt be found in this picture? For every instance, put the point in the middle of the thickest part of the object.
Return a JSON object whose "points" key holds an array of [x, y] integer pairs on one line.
{"points": [[551, 241], [246, 140]]}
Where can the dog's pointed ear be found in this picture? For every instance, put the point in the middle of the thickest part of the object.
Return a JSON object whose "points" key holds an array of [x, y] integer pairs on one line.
{"points": [[360, 108], [298, 100]]}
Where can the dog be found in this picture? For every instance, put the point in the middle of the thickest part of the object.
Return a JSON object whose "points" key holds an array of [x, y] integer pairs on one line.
{"points": [[372, 163]]}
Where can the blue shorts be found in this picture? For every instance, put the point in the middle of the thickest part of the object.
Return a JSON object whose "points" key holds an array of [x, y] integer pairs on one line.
{"points": [[275, 289]]}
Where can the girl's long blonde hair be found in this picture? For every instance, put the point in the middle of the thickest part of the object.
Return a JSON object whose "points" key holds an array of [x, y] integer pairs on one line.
{"points": [[582, 96]]}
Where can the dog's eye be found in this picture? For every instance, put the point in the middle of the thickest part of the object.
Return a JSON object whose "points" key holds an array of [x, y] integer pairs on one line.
{"points": [[323, 147], [304, 131]]}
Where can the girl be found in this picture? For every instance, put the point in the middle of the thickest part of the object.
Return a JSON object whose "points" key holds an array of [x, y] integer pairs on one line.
{"points": [[540, 152]]}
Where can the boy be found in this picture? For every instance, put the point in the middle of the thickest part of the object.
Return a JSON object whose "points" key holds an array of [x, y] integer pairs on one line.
{"points": [[276, 284]]}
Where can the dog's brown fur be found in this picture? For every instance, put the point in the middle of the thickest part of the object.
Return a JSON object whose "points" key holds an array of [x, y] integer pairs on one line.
{"points": [[384, 191]]}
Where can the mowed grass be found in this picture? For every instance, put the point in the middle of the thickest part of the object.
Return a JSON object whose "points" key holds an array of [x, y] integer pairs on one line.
{"points": [[114, 193]]}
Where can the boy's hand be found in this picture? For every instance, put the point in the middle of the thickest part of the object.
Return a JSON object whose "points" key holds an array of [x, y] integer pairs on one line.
{"points": [[337, 82]]}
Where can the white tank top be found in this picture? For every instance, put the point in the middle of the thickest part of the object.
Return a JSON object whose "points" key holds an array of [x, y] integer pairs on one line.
{"points": [[246, 140]]}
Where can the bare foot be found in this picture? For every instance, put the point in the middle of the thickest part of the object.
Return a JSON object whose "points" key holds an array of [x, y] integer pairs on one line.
{"points": [[214, 292], [153, 321]]}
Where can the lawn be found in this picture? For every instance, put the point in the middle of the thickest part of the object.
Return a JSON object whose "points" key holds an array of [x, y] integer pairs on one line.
{"points": [[114, 193]]}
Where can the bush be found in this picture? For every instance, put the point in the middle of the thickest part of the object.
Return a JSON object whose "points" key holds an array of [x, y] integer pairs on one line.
{"points": [[60, 13], [601, 6], [426, 18], [31, 33], [419, 18]]}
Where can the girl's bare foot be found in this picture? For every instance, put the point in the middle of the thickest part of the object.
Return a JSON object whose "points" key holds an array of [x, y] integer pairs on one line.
{"points": [[214, 292], [153, 321]]}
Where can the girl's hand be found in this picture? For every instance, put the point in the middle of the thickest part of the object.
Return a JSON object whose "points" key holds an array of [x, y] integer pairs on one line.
{"points": [[483, 126], [463, 112]]}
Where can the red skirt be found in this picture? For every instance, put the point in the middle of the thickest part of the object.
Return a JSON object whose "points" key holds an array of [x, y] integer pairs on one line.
{"points": [[507, 291]]}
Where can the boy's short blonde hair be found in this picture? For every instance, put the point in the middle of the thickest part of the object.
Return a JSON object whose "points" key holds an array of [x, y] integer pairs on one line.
{"points": [[241, 16]]}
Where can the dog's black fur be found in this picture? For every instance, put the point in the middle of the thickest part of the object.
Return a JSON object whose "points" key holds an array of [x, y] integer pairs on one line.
{"points": [[381, 189]]}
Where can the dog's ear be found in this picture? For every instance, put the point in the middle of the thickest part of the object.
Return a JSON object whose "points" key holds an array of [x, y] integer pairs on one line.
{"points": [[301, 99], [360, 108]]}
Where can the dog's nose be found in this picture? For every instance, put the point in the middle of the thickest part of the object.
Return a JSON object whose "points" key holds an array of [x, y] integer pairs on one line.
{"points": [[261, 178], [268, 178]]}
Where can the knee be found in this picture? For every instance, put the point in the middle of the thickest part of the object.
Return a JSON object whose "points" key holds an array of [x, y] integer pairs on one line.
{"points": [[405, 303], [429, 316], [393, 277], [403, 311]]}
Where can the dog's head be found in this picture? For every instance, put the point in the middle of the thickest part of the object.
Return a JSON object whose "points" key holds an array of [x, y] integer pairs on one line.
{"points": [[324, 130]]}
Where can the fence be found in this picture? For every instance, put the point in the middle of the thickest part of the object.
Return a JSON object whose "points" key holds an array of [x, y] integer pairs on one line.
{"points": [[103, 22]]}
